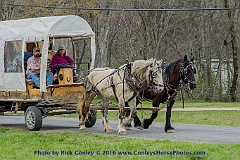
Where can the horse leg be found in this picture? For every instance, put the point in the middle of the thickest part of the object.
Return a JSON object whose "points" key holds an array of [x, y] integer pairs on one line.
{"points": [[148, 122], [127, 120], [136, 120], [80, 107], [121, 129], [127, 113], [168, 126], [84, 112], [137, 123], [105, 121]]}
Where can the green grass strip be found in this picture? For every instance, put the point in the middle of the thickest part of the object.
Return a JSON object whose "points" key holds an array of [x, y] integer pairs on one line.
{"points": [[22, 144]]}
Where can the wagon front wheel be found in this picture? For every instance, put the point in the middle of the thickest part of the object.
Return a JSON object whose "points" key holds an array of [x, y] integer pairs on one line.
{"points": [[33, 118], [92, 118]]}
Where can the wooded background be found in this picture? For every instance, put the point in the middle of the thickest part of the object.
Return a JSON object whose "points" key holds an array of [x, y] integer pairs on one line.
{"points": [[211, 36]]}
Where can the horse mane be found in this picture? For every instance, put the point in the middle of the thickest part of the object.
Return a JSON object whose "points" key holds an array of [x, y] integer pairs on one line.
{"points": [[171, 66], [168, 69], [141, 66]]}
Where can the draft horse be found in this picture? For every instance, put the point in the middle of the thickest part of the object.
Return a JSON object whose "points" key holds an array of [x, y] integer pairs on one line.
{"points": [[123, 83], [178, 73]]}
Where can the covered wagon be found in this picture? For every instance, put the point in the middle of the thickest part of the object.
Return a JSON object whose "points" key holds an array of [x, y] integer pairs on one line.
{"points": [[17, 40]]}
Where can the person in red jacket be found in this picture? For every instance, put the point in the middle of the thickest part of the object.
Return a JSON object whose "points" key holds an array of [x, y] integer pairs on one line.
{"points": [[61, 60]]}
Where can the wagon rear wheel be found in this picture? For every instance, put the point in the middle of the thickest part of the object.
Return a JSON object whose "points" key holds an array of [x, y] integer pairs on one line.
{"points": [[33, 118], [92, 118]]}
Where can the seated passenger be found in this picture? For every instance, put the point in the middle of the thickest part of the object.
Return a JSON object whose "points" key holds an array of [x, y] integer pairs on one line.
{"points": [[61, 60], [33, 68]]}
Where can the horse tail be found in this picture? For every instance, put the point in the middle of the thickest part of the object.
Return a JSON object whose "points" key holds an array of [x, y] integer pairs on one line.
{"points": [[81, 102]]}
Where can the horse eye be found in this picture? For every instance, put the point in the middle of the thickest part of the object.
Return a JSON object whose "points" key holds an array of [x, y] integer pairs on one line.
{"points": [[154, 74]]}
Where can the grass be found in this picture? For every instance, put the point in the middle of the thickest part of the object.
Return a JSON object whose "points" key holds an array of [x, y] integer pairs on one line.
{"points": [[199, 104], [22, 144], [189, 104]]}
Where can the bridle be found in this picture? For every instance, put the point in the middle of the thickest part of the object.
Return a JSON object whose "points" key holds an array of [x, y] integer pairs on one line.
{"points": [[184, 73], [152, 75]]}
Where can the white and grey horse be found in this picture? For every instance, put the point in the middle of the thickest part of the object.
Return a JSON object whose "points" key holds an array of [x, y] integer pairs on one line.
{"points": [[123, 83]]}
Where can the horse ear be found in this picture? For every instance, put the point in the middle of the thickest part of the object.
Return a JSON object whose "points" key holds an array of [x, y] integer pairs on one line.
{"points": [[192, 59], [160, 62], [185, 58], [152, 62]]}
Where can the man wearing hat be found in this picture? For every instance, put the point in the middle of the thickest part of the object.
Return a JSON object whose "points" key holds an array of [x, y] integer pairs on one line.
{"points": [[60, 59], [33, 68]]}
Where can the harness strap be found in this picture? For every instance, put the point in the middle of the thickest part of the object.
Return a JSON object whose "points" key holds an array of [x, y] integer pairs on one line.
{"points": [[113, 87], [133, 96], [131, 84]]}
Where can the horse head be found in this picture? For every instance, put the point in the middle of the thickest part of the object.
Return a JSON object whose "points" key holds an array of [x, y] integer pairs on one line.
{"points": [[155, 76], [188, 72], [148, 73]]}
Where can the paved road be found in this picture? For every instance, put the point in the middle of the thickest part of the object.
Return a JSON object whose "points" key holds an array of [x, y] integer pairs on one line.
{"points": [[184, 132]]}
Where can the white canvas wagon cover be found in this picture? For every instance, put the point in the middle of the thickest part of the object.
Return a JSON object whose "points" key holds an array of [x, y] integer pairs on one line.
{"points": [[43, 27], [39, 29]]}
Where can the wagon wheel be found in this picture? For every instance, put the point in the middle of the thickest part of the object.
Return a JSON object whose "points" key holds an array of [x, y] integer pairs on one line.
{"points": [[92, 118], [33, 118]]}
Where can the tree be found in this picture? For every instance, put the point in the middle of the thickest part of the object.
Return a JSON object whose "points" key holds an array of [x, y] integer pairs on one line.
{"points": [[166, 35], [233, 43], [1, 10]]}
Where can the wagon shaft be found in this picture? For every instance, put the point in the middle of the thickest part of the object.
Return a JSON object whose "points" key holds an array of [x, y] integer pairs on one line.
{"points": [[115, 107]]}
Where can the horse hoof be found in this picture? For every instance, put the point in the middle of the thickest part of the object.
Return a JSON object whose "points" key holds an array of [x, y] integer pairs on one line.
{"points": [[122, 132], [109, 130], [171, 131], [145, 127], [128, 128], [139, 127], [82, 128]]}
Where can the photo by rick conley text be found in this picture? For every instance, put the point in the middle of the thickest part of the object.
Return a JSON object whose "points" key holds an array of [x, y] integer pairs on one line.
{"points": [[112, 152]]}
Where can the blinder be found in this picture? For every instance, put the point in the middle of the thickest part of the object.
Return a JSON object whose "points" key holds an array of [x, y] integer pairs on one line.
{"points": [[184, 73], [152, 75]]}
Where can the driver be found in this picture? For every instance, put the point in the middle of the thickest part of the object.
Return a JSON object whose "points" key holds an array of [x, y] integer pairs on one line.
{"points": [[60, 60]]}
